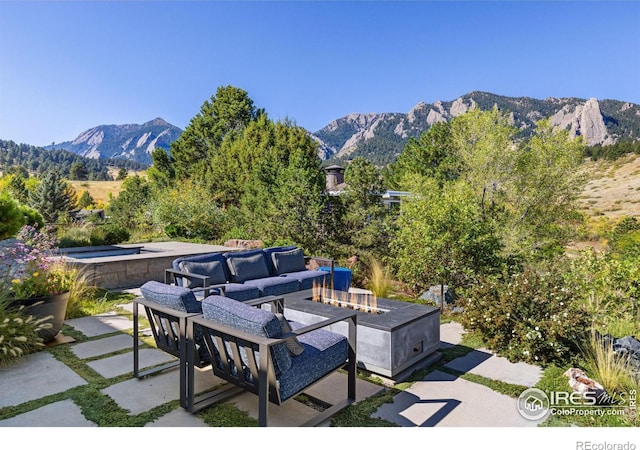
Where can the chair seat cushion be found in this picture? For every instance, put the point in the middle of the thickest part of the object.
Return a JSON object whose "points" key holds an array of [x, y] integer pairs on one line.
{"points": [[171, 296], [309, 278], [241, 292], [275, 285], [324, 351]]}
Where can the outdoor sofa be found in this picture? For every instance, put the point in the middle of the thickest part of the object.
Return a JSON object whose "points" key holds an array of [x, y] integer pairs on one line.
{"points": [[250, 274]]}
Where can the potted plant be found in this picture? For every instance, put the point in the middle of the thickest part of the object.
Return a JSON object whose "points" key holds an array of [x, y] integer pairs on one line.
{"points": [[35, 280]]}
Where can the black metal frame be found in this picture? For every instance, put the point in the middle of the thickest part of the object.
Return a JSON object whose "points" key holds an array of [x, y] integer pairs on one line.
{"points": [[262, 381], [169, 328]]}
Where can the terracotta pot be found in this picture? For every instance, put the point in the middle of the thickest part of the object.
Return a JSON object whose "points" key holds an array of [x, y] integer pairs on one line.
{"points": [[39, 307]]}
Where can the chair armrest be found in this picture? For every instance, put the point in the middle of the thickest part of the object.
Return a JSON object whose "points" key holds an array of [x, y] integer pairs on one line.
{"points": [[178, 273], [330, 262], [277, 303], [208, 288]]}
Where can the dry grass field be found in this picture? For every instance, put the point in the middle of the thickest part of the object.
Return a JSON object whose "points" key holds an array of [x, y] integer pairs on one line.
{"points": [[613, 190], [100, 190]]}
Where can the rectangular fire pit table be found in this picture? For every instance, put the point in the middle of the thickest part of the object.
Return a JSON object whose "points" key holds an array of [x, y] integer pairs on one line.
{"points": [[396, 338]]}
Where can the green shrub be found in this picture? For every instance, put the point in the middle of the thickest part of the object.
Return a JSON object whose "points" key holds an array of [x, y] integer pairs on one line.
{"points": [[531, 316], [75, 235], [188, 211], [609, 289], [109, 234], [12, 217]]}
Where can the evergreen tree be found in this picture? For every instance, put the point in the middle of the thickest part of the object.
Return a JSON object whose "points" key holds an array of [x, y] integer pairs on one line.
{"points": [[226, 114], [18, 188], [53, 197], [122, 174], [78, 171], [161, 172], [129, 208], [432, 155], [86, 200]]}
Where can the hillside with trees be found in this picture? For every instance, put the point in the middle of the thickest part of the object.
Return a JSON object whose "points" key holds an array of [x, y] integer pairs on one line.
{"points": [[37, 160]]}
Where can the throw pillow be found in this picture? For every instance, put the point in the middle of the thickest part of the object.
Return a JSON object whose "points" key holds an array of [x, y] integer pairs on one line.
{"points": [[293, 344], [289, 261], [247, 267], [212, 269]]}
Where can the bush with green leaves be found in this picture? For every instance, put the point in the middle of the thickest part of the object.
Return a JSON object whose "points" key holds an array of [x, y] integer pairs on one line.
{"points": [[533, 315], [609, 289], [188, 211], [12, 217], [109, 234]]}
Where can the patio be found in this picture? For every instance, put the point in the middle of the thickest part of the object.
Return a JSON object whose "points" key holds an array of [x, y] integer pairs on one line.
{"points": [[104, 361]]}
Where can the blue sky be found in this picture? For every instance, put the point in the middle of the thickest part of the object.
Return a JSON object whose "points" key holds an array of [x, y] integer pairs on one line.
{"points": [[69, 66]]}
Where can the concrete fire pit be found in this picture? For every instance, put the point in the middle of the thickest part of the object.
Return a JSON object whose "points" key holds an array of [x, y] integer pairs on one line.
{"points": [[391, 342]]}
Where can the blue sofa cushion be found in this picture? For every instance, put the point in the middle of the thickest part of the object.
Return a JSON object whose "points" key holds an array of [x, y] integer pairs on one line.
{"points": [[208, 257], [288, 261], [213, 269], [241, 292], [270, 251], [275, 285], [251, 320], [324, 351], [247, 266], [171, 296], [310, 278]]}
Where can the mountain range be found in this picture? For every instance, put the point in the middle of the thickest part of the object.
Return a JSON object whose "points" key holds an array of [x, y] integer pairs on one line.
{"points": [[132, 141], [381, 137]]}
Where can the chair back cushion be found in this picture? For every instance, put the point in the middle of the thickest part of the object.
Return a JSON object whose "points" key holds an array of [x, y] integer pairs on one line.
{"points": [[288, 261], [249, 319], [249, 265], [171, 296]]}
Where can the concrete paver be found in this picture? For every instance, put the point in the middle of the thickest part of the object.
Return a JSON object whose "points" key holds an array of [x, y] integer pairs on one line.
{"points": [[444, 400], [116, 365], [59, 414], [451, 334], [138, 396], [99, 347], [483, 362], [100, 324], [178, 418], [35, 376]]}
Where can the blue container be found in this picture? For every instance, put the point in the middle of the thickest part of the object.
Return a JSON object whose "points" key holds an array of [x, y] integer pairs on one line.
{"points": [[341, 277]]}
